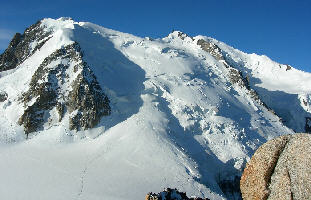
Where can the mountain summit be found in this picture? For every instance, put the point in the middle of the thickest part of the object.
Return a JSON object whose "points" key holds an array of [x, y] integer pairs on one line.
{"points": [[91, 113]]}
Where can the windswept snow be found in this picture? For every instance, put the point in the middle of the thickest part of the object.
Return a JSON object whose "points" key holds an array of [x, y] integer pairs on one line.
{"points": [[177, 121], [283, 88]]}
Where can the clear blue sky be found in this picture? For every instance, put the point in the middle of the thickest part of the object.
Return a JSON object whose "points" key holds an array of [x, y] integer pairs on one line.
{"points": [[280, 29]]}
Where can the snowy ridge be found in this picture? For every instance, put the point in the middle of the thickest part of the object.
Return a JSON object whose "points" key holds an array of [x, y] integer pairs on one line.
{"points": [[177, 119], [274, 83]]}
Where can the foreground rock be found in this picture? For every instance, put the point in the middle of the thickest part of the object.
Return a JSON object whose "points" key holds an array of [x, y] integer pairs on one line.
{"points": [[170, 194], [280, 169]]}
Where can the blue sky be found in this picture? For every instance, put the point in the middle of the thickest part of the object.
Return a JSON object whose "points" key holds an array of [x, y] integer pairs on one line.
{"points": [[280, 29]]}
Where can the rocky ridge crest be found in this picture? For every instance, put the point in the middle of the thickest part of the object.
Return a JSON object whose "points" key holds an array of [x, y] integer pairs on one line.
{"points": [[24, 45]]}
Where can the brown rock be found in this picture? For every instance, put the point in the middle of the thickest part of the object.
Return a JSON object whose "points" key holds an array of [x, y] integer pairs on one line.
{"points": [[279, 169], [211, 48], [151, 196]]}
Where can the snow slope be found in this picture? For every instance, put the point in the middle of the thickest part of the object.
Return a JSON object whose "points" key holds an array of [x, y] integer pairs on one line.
{"points": [[283, 88], [176, 119]]}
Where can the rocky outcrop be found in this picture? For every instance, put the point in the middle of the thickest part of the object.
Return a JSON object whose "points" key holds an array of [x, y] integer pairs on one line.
{"points": [[171, 194], [3, 96], [23, 45], [86, 100], [64, 82], [211, 48], [279, 169], [183, 36], [236, 77]]}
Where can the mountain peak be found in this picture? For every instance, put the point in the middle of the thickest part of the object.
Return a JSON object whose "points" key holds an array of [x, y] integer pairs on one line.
{"points": [[49, 93], [179, 34], [179, 112], [65, 19]]}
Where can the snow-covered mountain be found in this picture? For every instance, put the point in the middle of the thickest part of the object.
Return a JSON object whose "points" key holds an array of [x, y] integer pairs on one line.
{"points": [[109, 115]]}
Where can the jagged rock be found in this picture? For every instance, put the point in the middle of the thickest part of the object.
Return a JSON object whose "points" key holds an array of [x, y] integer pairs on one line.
{"points": [[86, 102], [61, 110], [33, 116], [183, 35], [171, 194], [19, 48], [279, 169], [3, 96], [288, 67], [236, 77], [211, 48]]}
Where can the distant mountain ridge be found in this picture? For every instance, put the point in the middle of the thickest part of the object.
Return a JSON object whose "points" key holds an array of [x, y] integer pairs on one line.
{"points": [[144, 114]]}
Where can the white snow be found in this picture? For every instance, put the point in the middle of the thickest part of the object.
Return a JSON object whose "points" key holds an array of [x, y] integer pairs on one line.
{"points": [[176, 119], [280, 86]]}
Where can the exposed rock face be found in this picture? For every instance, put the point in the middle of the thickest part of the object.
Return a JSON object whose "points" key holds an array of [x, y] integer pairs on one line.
{"points": [[50, 89], [3, 96], [87, 100], [236, 77], [171, 194], [20, 47], [211, 48], [280, 169], [183, 35]]}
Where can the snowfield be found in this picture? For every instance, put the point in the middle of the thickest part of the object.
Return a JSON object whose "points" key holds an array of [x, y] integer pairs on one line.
{"points": [[176, 119]]}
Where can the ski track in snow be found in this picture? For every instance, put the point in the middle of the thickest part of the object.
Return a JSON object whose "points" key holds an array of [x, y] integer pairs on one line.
{"points": [[82, 182], [87, 165]]}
